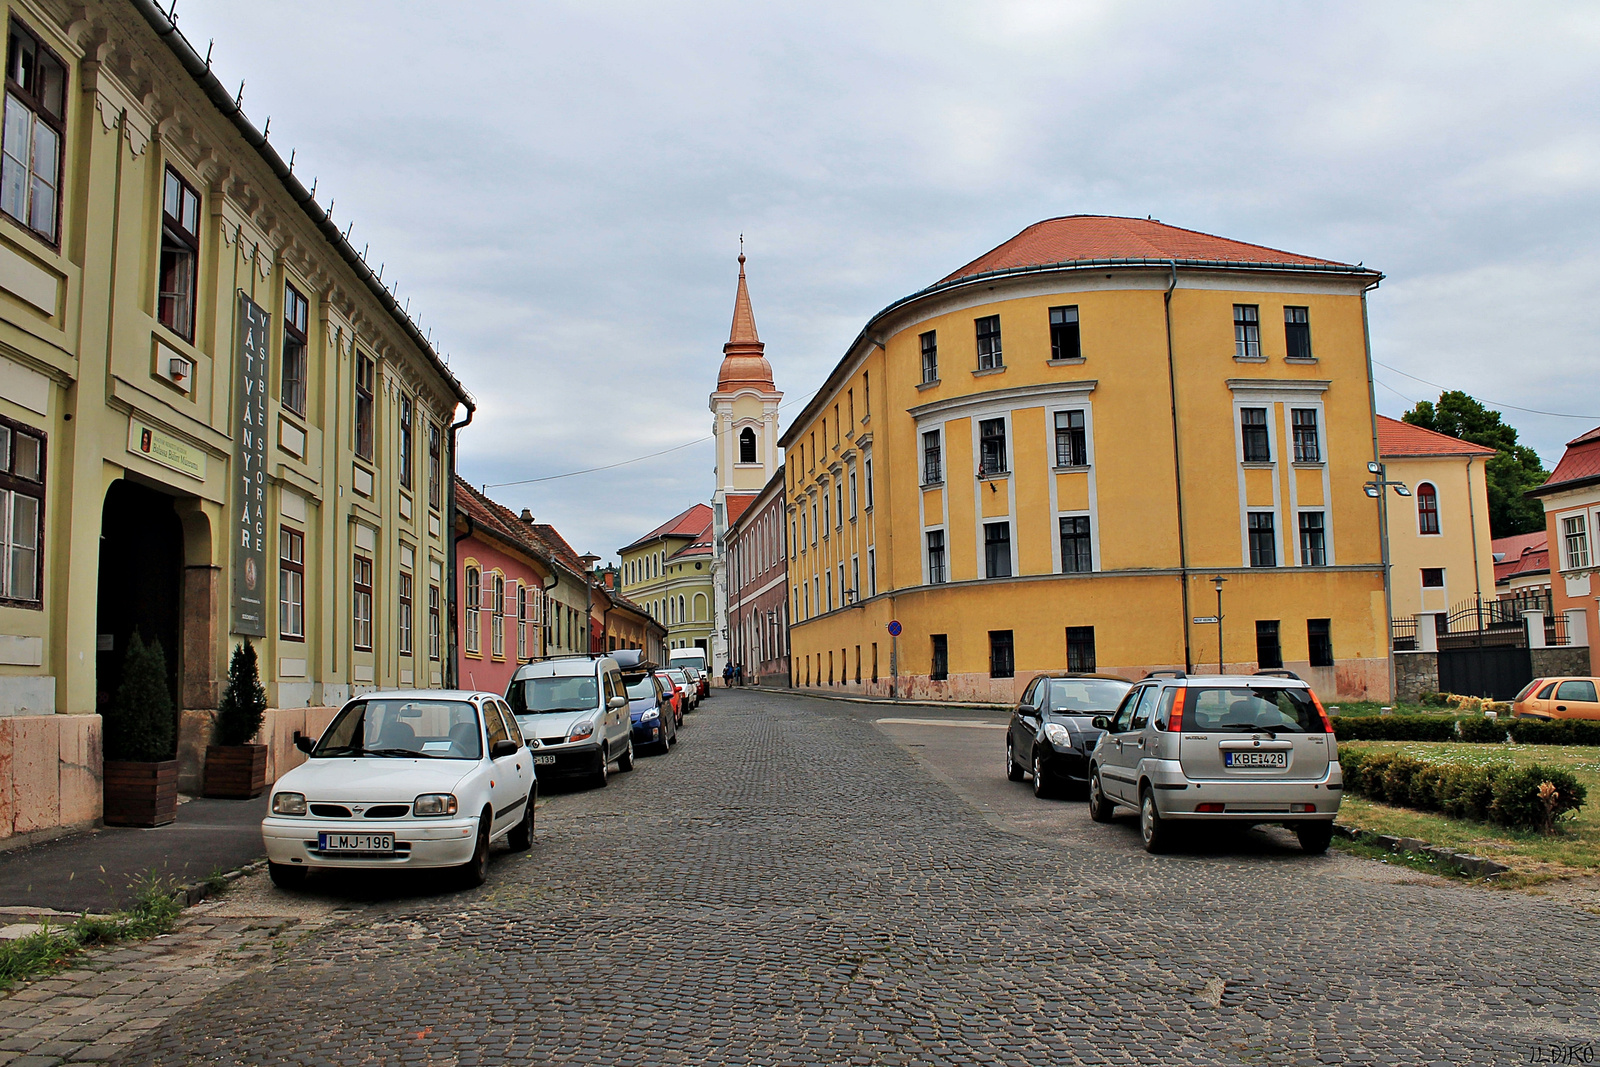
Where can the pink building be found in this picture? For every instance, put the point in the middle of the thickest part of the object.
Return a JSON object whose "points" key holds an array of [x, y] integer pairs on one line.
{"points": [[758, 587], [502, 573]]}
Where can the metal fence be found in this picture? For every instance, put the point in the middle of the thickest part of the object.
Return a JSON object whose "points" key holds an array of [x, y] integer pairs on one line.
{"points": [[1482, 622]]}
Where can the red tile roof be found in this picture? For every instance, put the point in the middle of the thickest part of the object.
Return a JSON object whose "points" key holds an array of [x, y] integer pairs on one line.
{"points": [[1580, 462], [1514, 546], [1075, 238], [738, 503], [539, 539], [1533, 561], [692, 522], [1398, 439]]}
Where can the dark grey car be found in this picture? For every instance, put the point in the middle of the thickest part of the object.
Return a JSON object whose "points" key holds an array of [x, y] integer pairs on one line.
{"points": [[1051, 734]]}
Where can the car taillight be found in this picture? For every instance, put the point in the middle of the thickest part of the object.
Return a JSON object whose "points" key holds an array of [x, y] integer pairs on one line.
{"points": [[1327, 724], [1302, 807], [1211, 808], [1175, 720]]}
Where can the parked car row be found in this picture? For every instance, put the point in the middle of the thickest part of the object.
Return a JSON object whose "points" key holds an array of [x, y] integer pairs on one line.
{"points": [[434, 778], [1180, 749]]}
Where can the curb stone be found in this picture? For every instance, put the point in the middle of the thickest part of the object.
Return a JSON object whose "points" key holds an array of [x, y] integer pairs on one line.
{"points": [[1462, 862]]}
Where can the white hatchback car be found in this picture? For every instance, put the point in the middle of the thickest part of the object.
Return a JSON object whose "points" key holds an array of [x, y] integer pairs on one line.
{"points": [[416, 778]]}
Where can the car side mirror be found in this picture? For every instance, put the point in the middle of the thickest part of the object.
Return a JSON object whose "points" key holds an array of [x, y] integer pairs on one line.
{"points": [[502, 748], [1100, 722], [617, 702], [303, 743]]}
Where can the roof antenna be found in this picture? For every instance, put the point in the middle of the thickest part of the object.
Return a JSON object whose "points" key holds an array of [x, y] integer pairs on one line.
{"points": [[209, 46], [266, 130], [172, 13], [240, 96], [313, 188], [291, 161]]}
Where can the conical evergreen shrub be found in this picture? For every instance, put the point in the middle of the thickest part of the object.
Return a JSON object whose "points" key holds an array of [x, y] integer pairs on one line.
{"points": [[244, 701], [140, 726]]}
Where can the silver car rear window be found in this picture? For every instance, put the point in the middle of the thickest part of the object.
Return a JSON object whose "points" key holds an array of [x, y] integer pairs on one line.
{"points": [[1249, 708]]}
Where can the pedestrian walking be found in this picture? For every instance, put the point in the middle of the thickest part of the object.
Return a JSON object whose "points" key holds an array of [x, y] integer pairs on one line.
{"points": [[727, 676], [738, 674]]}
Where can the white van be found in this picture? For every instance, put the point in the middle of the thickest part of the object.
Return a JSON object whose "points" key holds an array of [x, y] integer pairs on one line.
{"points": [[688, 657], [576, 709]]}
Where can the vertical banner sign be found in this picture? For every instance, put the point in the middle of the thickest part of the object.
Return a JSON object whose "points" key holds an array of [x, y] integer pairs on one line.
{"points": [[249, 527]]}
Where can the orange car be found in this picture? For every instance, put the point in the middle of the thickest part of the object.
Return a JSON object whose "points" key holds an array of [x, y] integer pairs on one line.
{"points": [[1572, 697]]}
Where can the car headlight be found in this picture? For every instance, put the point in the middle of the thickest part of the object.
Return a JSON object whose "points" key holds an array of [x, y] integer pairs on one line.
{"points": [[1058, 735], [434, 804], [288, 803], [650, 714], [581, 731]]}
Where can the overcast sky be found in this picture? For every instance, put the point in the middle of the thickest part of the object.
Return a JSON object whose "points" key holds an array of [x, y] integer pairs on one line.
{"points": [[559, 188]]}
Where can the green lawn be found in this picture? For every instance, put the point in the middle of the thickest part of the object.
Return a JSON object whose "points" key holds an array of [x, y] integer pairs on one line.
{"points": [[1531, 856]]}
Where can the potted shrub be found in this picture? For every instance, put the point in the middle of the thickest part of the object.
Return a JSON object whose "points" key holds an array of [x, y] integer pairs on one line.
{"points": [[141, 774], [235, 768]]}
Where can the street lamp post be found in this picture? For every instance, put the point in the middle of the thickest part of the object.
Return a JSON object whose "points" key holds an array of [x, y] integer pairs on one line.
{"points": [[1217, 581], [1375, 490]]}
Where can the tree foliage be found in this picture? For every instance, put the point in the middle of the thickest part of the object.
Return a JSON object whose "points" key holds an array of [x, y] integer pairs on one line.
{"points": [[140, 726], [1511, 474], [244, 701]]}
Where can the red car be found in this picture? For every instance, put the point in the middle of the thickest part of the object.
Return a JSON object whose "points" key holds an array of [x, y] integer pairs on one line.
{"points": [[675, 694]]}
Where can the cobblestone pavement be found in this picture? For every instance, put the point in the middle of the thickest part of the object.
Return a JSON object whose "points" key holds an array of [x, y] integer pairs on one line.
{"points": [[791, 886]]}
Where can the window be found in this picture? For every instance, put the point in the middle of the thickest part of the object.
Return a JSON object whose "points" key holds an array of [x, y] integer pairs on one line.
{"points": [[814, 526], [1072, 442], [291, 584], [855, 577], [930, 356], [1319, 642], [997, 549], [180, 248], [433, 622], [473, 588], [497, 617], [1076, 556], [21, 514], [435, 465], [827, 585], [827, 511], [1064, 333], [852, 492], [1307, 448], [991, 447], [293, 393], [1246, 332], [1578, 690], [872, 572], [1000, 658], [36, 98], [867, 473], [747, 445], [838, 505], [940, 668], [1297, 333], [366, 372], [1313, 549], [935, 557], [1269, 654], [1433, 577], [405, 442], [362, 613], [1263, 540], [989, 357], [1427, 509], [404, 630], [1080, 648], [1575, 533], [1253, 427], [932, 459]]}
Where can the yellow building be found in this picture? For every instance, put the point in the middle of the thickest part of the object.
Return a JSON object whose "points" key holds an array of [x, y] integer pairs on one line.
{"points": [[1043, 460], [228, 427], [668, 573], [1441, 556]]}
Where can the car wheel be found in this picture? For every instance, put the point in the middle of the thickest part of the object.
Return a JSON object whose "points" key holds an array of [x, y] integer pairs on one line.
{"points": [[1151, 826], [1013, 772], [602, 773], [1314, 836], [521, 837], [475, 871], [1043, 788], [1101, 808], [625, 762], [287, 875]]}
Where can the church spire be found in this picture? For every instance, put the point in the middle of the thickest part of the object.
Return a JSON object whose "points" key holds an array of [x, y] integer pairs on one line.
{"points": [[744, 319], [744, 361]]}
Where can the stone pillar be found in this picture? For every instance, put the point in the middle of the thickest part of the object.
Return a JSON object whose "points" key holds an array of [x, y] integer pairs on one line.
{"points": [[1427, 632], [201, 623], [1533, 622], [1577, 627]]}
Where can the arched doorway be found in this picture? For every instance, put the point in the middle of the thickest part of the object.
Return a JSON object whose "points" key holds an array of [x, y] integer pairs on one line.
{"points": [[141, 582]]}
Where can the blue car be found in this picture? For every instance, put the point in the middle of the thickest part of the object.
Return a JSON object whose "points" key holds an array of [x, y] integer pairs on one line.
{"points": [[650, 710]]}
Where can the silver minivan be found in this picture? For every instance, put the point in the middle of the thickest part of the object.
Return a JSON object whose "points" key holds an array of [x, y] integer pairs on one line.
{"points": [[1222, 748], [576, 708]]}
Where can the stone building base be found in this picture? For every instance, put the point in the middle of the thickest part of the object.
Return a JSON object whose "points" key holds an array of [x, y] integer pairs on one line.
{"points": [[50, 774]]}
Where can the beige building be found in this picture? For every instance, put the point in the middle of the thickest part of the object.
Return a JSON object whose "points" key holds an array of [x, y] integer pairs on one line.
{"points": [[215, 420]]}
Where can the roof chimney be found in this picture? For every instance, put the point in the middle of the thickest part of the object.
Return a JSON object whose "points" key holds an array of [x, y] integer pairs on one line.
{"points": [[527, 516]]}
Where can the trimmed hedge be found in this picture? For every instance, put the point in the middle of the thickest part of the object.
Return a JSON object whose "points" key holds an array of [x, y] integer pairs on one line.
{"points": [[1522, 798], [1479, 729]]}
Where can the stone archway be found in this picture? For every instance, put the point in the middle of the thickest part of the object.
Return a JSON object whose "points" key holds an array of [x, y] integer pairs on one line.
{"points": [[140, 582]]}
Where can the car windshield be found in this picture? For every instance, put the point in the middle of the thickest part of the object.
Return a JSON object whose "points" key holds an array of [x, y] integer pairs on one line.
{"points": [[1285, 710], [425, 729], [1528, 689], [1086, 696], [676, 675], [639, 686], [539, 696]]}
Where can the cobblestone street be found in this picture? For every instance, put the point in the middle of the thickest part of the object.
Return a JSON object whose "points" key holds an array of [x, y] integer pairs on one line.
{"points": [[792, 885]]}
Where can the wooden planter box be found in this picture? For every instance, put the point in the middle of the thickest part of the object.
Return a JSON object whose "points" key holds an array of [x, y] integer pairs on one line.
{"points": [[141, 794], [236, 772]]}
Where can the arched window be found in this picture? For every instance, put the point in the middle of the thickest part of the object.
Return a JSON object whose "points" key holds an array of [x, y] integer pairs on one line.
{"points": [[681, 616], [1427, 509], [747, 445], [474, 592]]}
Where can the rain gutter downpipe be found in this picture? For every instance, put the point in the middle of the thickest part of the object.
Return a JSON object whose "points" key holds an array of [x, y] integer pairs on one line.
{"points": [[1383, 497], [452, 670], [1177, 469]]}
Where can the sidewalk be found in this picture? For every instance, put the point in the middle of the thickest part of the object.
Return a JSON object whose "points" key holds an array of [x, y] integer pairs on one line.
{"points": [[969, 705], [92, 871]]}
